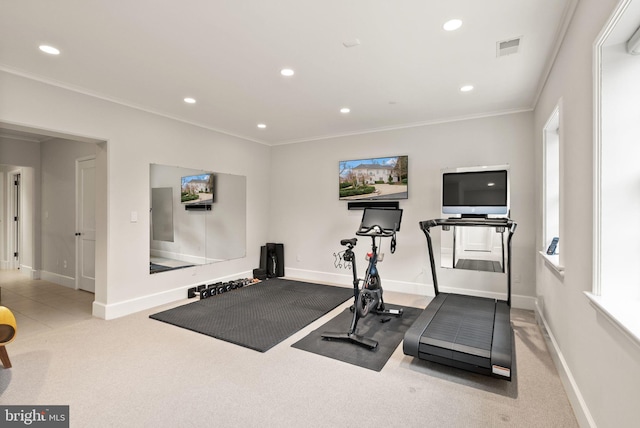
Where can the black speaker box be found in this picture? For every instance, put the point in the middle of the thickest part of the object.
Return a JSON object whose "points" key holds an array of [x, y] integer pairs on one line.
{"points": [[279, 248], [360, 205], [272, 259], [263, 258]]}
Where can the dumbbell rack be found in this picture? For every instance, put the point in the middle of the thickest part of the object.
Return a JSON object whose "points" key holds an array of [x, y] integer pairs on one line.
{"points": [[205, 291]]}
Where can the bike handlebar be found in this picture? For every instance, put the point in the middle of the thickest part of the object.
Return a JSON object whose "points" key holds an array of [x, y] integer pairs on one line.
{"points": [[376, 230]]}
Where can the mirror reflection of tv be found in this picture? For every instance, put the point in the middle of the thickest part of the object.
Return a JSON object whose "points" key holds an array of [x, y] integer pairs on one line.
{"points": [[383, 178], [197, 189], [477, 192]]}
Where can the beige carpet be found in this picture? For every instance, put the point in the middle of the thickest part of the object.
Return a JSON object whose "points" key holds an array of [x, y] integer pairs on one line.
{"points": [[137, 372]]}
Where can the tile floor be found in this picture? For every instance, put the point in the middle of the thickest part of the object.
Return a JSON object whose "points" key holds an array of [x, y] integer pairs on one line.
{"points": [[40, 305]]}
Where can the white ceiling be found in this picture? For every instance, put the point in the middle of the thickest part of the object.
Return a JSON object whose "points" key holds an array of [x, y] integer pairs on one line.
{"points": [[227, 54]]}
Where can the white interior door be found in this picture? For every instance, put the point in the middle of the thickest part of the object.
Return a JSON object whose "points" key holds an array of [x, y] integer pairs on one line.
{"points": [[477, 238], [85, 225]]}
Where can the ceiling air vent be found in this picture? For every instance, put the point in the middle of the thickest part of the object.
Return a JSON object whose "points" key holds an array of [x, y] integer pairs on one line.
{"points": [[508, 47]]}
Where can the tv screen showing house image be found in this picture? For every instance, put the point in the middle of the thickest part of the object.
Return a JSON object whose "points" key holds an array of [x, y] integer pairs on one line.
{"points": [[197, 189], [374, 179]]}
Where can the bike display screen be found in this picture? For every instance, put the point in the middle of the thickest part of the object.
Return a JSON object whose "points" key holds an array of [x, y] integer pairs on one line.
{"points": [[388, 219]]}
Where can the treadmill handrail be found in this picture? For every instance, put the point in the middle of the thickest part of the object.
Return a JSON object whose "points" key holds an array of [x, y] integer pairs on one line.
{"points": [[507, 223], [483, 222]]}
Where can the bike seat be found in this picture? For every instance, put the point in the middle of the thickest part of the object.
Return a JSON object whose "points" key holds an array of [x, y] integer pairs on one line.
{"points": [[351, 242]]}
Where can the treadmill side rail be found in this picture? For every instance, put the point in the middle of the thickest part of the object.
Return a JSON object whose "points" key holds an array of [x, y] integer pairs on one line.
{"points": [[501, 349], [411, 342]]}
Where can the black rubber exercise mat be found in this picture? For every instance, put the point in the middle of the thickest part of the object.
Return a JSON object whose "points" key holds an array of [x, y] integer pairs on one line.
{"points": [[258, 316], [388, 334]]}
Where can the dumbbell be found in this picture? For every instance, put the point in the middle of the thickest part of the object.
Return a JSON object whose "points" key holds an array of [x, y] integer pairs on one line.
{"points": [[195, 291], [212, 290]]}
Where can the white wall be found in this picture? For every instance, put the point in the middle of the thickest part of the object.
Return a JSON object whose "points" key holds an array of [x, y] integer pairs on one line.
{"points": [[308, 218], [600, 364], [133, 140]]}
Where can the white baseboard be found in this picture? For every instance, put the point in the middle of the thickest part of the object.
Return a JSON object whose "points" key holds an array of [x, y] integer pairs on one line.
{"points": [[420, 289], [119, 309], [346, 280], [56, 278], [30, 272], [573, 392]]}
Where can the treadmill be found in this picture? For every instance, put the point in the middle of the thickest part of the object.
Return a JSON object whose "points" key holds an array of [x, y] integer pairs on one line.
{"points": [[467, 332]]}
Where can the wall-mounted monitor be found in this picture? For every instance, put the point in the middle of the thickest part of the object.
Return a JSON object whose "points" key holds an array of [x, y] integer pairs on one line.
{"points": [[481, 191], [373, 179], [197, 189]]}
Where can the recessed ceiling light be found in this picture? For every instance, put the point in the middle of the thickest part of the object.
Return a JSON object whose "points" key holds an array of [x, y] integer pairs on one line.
{"points": [[452, 25], [49, 49], [288, 72], [466, 88], [262, 125], [345, 110], [190, 100], [491, 184]]}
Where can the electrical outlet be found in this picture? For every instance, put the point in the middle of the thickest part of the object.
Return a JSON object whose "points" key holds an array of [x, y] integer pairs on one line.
{"points": [[64, 264]]}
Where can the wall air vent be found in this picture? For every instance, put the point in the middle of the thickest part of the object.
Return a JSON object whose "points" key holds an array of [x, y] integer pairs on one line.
{"points": [[508, 47]]}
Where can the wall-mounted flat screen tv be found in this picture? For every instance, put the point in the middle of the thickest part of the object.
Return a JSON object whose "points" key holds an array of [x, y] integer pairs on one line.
{"points": [[475, 192], [197, 189], [374, 179]]}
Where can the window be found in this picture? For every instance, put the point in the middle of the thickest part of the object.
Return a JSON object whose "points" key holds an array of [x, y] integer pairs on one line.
{"points": [[551, 188], [616, 275]]}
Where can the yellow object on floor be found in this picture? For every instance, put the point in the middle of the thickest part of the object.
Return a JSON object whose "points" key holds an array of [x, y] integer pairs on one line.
{"points": [[8, 329]]}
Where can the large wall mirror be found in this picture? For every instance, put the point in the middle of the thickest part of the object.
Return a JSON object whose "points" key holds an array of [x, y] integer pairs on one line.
{"points": [[197, 217], [474, 248]]}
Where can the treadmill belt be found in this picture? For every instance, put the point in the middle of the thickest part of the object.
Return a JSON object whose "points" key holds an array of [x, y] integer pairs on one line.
{"points": [[482, 265], [463, 322]]}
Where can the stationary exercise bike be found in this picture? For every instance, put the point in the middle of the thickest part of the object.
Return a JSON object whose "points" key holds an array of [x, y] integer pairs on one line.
{"points": [[376, 223]]}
